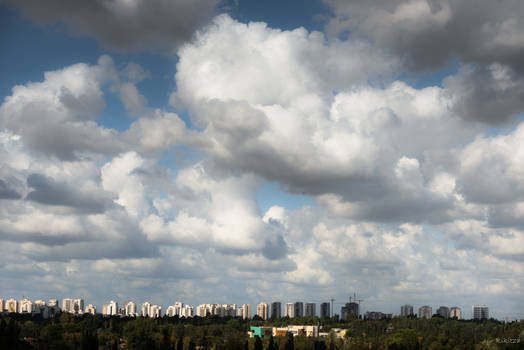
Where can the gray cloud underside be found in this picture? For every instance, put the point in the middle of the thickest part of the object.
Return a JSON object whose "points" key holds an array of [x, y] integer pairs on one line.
{"points": [[431, 34], [6, 192], [48, 192], [158, 25]]}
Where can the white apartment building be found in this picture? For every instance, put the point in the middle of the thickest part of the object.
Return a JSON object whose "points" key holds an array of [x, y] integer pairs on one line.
{"points": [[289, 310], [90, 309], [156, 311], [112, 308], [263, 310], [455, 312], [67, 305], [146, 309], [78, 306], [26, 306], [130, 309], [11, 305]]}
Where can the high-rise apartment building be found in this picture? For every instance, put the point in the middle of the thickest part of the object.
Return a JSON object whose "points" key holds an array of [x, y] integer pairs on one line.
{"points": [[455, 312], [112, 308], [289, 310], [276, 310], [130, 309], [146, 309], [299, 309], [351, 309], [311, 309], [156, 311], [78, 306], [480, 312], [263, 310], [11, 305], [246, 311], [425, 312], [67, 305], [53, 303], [324, 310], [2, 305], [90, 309], [187, 311], [443, 311], [406, 310], [26, 306]]}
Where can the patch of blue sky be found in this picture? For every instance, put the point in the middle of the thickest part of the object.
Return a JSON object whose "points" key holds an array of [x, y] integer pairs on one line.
{"points": [[271, 193], [29, 50], [285, 15]]}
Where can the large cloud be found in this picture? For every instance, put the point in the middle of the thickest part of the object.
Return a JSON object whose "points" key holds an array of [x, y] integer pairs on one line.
{"points": [[320, 129], [57, 116], [430, 33], [485, 36], [159, 25]]}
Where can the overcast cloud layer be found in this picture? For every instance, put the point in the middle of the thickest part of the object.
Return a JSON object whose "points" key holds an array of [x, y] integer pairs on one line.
{"points": [[418, 199]]}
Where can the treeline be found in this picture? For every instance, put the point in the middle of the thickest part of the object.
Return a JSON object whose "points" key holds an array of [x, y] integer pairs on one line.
{"points": [[88, 332]]}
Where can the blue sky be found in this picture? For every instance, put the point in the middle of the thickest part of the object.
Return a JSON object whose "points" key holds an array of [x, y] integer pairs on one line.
{"points": [[249, 151]]}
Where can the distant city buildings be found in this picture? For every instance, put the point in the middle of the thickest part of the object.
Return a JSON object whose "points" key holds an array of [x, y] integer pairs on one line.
{"points": [[11, 305], [246, 311], [26, 306], [406, 310], [90, 309], [289, 310], [299, 309], [130, 309], [67, 305], [78, 306], [324, 310], [375, 315], [443, 311], [480, 312], [263, 310], [276, 310], [349, 309], [311, 309], [425, 312], [455, 312]]}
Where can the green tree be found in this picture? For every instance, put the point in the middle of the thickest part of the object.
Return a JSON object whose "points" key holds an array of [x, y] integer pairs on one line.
{"points": [[290, 344], [258, 343]]}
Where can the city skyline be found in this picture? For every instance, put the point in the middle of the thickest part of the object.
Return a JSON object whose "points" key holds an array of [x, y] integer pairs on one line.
{"points": [[263, 310], [244, 151]]}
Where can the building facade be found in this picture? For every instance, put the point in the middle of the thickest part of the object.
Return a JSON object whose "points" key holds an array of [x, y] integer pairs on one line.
{"points": [[350, 310], [324, 310], [455, 312], [311, 309], [276, 310], [289, 310], [425, 312], [443, 311], [406, 310], [480, 312], [67, 305], [299, 309], [263, 310], [11, 305]]}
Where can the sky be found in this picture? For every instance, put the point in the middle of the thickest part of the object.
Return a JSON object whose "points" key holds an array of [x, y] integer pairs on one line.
{"points": [[213, 151]]}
